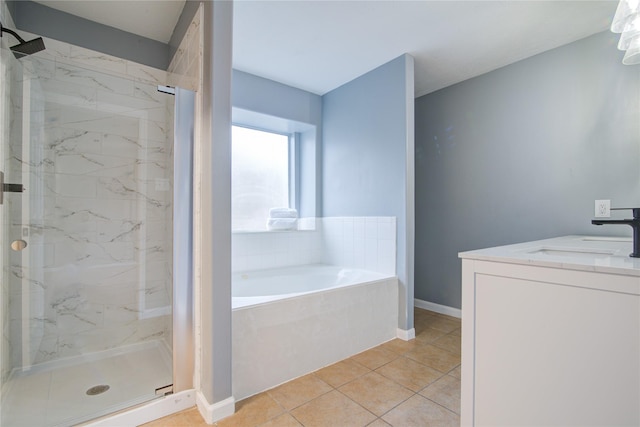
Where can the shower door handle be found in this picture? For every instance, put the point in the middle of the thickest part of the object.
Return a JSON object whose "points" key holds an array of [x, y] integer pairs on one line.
{"points": [[8, 188]]}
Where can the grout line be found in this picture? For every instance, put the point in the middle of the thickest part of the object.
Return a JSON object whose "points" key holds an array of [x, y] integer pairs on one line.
{"points": [[442, 406], [400, 403], [357, 403]]}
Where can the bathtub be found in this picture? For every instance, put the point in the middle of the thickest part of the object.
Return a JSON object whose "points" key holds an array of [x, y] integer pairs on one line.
{"points": [[288, 322], [257, 287]]}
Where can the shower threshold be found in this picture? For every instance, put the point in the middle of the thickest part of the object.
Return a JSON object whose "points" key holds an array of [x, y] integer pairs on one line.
{"points": [[78, 389]]}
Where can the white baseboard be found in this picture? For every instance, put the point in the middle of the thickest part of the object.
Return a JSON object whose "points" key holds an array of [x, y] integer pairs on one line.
{"points": [[149, 412], [442, 309], [406, 334], [216, 411]]}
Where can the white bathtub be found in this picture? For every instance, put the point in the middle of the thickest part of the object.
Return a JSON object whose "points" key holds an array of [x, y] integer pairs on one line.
{"points": [[257, 287], [288, 322]]}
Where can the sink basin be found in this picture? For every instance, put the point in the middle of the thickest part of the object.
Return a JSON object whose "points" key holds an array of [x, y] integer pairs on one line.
{"points": [[573, 253]]}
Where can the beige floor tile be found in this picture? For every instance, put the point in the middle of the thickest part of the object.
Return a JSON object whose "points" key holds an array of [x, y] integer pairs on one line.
{"points": [[428, 335], [193, 418], [341, 373], [445, 316], [331, 410], [299, 391], [399, 346], [376, 393], [443, 323], [409, 373], [446, 392], [253, 411], [456, 373], [434, 357], [457, 332], [284, 420], [375, 357], [420, 313], [379, 423], [448, 342], [421, 412]]}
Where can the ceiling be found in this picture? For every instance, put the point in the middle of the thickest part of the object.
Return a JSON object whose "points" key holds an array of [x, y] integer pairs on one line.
{"points": [[320, 45]]}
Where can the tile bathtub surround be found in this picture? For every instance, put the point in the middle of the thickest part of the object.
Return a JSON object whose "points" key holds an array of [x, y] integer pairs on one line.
{"points": [[274, 249], [383, 386], [359, 242]]}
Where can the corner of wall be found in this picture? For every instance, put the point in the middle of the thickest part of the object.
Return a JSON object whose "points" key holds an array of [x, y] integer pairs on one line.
{"points": [[212, 412], [410, 176]]}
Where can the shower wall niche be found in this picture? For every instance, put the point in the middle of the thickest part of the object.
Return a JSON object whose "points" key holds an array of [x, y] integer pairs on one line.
{"points": [[94, 152]]}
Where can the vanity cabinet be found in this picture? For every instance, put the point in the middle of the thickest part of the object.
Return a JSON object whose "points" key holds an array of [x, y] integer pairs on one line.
{"points": [[550, 339]]}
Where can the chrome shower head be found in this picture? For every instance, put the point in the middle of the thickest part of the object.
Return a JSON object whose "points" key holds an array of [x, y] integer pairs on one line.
{"points": [[23, 48]]}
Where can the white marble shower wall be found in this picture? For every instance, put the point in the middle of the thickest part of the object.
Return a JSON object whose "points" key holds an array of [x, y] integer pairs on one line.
{"points": [[8, 111], [98, 217], [184, 70], [359, 242]]}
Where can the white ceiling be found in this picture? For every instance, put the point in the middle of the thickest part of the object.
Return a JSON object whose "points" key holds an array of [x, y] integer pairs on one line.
{"points": [[320, 45]]}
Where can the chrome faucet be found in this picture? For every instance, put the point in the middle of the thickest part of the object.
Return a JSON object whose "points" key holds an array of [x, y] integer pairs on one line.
{"points": [[634, 223]]}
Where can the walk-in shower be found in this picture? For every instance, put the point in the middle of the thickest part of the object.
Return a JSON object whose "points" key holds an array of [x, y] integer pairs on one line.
{"points": [[87, 284]]}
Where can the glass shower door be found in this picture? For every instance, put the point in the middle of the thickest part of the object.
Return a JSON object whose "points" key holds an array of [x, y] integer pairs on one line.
{"points": [[87, 247]]}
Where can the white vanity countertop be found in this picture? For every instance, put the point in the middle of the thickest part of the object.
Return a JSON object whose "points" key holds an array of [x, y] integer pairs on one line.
{"points": [[587, 253]]}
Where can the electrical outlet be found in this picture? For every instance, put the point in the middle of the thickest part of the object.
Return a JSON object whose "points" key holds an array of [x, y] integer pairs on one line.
{"points": [[603, 208]]}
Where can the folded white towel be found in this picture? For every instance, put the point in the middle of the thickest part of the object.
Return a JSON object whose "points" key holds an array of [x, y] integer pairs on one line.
{"points": [[283, 213], [282, 224]]}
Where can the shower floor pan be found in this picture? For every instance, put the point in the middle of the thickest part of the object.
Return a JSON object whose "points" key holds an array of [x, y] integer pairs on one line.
{"points": [[79, 389]]}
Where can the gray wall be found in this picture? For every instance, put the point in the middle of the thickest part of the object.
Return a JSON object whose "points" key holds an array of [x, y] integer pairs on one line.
{"points": [[48, 22], [367, 129], [521, 154], [267, 104], [266, 96]]}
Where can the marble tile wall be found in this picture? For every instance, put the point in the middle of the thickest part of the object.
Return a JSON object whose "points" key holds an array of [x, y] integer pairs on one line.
{"points": [[359, 242], [184, 70], [5, 135], [97, 209]]}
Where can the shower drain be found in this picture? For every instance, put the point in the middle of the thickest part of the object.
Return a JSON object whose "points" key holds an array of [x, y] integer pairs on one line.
{"points": [[97, 389]]}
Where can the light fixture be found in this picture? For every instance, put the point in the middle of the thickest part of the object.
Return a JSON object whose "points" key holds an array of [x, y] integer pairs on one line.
{"points": [[627, 22]]}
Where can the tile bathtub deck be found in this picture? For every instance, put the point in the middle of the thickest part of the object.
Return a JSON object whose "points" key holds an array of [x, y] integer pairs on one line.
{"points": [[399, 383]]}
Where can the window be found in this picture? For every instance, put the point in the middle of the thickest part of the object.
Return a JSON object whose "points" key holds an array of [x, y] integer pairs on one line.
{"points": [[259, 176]]}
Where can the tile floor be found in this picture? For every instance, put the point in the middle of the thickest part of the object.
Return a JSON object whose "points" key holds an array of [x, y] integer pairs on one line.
{"points": [[399, 383]]}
